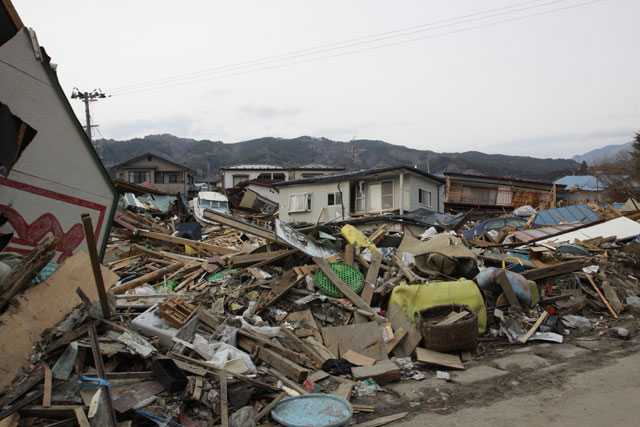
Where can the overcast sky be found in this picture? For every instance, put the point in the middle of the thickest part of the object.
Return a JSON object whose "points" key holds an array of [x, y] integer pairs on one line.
{"points": [[444, 75]]}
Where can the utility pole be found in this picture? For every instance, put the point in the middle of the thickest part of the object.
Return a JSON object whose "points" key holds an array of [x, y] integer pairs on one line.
{"points": [[87, 98]]}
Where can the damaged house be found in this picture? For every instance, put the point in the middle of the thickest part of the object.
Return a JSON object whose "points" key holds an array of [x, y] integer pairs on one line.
{"points": [[341, 196], [49, 172], [165, 175], [234, 175]]}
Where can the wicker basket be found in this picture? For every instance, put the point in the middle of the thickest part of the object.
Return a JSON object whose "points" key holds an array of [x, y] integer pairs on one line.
{"points": [[461, 335]]}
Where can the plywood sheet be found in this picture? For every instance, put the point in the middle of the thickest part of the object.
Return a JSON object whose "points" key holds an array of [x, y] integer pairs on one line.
{"points": [[363, 338]]}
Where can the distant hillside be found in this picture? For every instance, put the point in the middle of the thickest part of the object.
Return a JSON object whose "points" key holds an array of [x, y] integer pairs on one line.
{"points": [[599, 154], [359, 154]]}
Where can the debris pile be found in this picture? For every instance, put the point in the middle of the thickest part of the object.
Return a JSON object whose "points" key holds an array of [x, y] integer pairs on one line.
{"points": [[224, 324]]}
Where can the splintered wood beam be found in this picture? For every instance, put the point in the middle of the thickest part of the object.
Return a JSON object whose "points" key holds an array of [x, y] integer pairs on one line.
{"points": [[534, 328], [602, 297], [145, 279]]}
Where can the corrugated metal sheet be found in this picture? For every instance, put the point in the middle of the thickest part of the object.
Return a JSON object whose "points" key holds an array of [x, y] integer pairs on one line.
{"points": [[581, 182], [576, 213], [623, 228], [542, 232]]}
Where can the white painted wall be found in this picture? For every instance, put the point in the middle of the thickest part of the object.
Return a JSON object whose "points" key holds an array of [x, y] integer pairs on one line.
{"points": [[436, 188], [56, 164], [319, 196]]}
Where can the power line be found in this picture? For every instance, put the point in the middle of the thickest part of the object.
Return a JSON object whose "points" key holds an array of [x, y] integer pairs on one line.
{"points": [[336, 45], [169, 85]]}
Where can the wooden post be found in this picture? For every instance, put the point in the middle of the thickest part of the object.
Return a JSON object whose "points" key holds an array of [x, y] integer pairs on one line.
{"points": [[95, 264]]}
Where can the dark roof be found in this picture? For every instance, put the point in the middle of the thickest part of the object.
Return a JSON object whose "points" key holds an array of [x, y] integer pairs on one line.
{"points": [[358, 174], [155, 155], [499, 178], [129, 187]]}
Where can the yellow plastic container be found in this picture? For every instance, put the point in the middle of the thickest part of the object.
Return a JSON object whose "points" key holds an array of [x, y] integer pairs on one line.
{"points": [[413, 298]]}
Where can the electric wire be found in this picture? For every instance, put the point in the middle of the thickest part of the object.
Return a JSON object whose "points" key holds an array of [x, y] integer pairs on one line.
{"points": [[199, 80], [337, 45]]}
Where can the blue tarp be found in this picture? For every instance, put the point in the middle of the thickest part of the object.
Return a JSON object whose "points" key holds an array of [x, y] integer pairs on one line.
{"points": [[581, 212]]}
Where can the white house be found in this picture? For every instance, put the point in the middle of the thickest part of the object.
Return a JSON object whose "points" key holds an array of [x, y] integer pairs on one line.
{"points": [[49, 172], [234, 175], [345, 195]]}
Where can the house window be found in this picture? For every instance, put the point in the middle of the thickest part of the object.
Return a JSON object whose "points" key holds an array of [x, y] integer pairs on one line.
{"points": [[173, 177], [311, 175], [300, 202], [360, 196], [264, 176], [149, 158], [278, 177], [387, 194], [137, 176], [158, 178], [334, 199], [237, 179], [424, 197], [120, 175]]}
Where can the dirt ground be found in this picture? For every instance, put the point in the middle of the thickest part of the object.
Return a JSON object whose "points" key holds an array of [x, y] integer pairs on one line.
{"points": [[590, 381]]}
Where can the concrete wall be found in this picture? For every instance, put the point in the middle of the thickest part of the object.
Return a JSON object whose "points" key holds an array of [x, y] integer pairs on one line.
{"points": [[161, 165]]}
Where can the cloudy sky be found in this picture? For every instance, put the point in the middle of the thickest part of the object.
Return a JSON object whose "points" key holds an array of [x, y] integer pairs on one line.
{"points": [[541, 78]]}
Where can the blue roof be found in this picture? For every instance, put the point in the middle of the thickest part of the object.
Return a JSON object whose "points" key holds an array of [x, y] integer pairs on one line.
{"points": [[581, 182], [581, 212]]}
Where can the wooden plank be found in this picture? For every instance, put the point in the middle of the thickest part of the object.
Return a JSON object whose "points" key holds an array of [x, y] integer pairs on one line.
{"points": [[224, 409], [349, 254], [383, 420], [316, 358], [398, 335], [534, 328], [220, 250], [149, 277], [46, 396], [344, 390], [370, 282], [358, 359], [382, 372], [602, 297], [286, 381], [453, 317], [554, 270], [406, 271], [440, 359], [242, 260], [90, 239], [305, 317], [287, 367], [42, 307], [267, 409], [136, 393], [81, 417], [379, 234], [462, 220], [399, 320], [20, 276], [504, 283], [345, 289], [27, 384], [241, 225]]}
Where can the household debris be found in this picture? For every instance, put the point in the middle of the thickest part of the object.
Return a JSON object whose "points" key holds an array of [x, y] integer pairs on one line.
{"points": [[228, 327]]}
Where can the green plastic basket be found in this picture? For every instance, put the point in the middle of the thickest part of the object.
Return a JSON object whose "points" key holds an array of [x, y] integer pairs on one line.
{"points": [[350, 275], [222, 274]]}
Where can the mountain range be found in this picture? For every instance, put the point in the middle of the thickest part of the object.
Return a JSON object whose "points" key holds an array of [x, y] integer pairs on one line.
{"points": [[206, 156], [609, 152]]}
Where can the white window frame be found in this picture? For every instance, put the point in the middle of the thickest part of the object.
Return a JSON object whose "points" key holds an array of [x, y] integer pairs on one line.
{"points": [[382, 195], [337, 198], [420, 196], [360, 197], [306, 200]]}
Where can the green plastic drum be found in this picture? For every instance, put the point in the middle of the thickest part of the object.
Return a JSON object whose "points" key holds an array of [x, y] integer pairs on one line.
{"points": [[350, 275]]}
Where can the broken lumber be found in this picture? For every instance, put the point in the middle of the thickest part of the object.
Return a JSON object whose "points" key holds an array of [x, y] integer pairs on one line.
{"points": [[149, 277], [534, 328], [20, 276]]}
